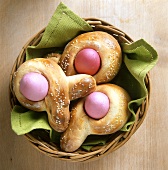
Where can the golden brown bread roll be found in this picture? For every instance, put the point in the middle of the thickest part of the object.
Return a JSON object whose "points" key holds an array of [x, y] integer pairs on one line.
{"points": [[61, 89], [56, 56], [104, 44], [81, 125]]}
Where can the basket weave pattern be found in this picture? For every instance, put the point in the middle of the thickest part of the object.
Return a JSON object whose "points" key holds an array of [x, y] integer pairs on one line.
{"points": [[116, 140]]}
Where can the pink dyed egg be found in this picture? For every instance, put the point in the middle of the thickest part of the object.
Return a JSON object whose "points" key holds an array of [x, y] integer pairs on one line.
{"points": [[34, 86], [97, 105], [87, 61]]}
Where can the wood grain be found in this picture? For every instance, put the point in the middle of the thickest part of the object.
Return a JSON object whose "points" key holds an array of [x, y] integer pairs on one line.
{"points": [[147, 149]]}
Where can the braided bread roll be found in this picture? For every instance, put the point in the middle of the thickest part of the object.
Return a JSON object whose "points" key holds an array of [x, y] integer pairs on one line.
{"points": [[60, 89], [97, 45], [81, 125]]}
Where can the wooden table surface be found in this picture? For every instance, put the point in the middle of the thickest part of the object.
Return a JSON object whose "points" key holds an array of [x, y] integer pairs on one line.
{"points": [[148, 147]]}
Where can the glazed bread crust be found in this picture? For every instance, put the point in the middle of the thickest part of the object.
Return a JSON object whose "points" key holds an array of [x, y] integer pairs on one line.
{"points": [[60, 92], [82, 125], [107, 47]]}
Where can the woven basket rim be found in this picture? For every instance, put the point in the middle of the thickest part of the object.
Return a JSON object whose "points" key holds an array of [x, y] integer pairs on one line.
{"points": [[121, 138]]}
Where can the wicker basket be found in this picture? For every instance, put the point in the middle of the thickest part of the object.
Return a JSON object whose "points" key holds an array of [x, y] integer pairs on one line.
{"points": [[40, 140]]}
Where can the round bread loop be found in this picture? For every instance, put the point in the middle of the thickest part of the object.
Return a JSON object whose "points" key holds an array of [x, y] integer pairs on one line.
{"points": [[57, 96], [61, 89], [81, 125], [107, 47]]}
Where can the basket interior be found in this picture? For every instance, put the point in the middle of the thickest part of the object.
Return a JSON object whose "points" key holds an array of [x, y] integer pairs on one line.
{"points": [[40, 138]]}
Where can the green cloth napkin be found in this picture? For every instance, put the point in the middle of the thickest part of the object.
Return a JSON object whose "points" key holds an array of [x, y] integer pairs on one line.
{"points": [[139, 57], [63, 26], [93, 140], [24, 120]]}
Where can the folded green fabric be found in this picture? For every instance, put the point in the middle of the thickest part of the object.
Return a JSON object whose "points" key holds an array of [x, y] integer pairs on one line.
{"points": [[139, 57], [63, 26], [93, 140], [23, 120]]}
